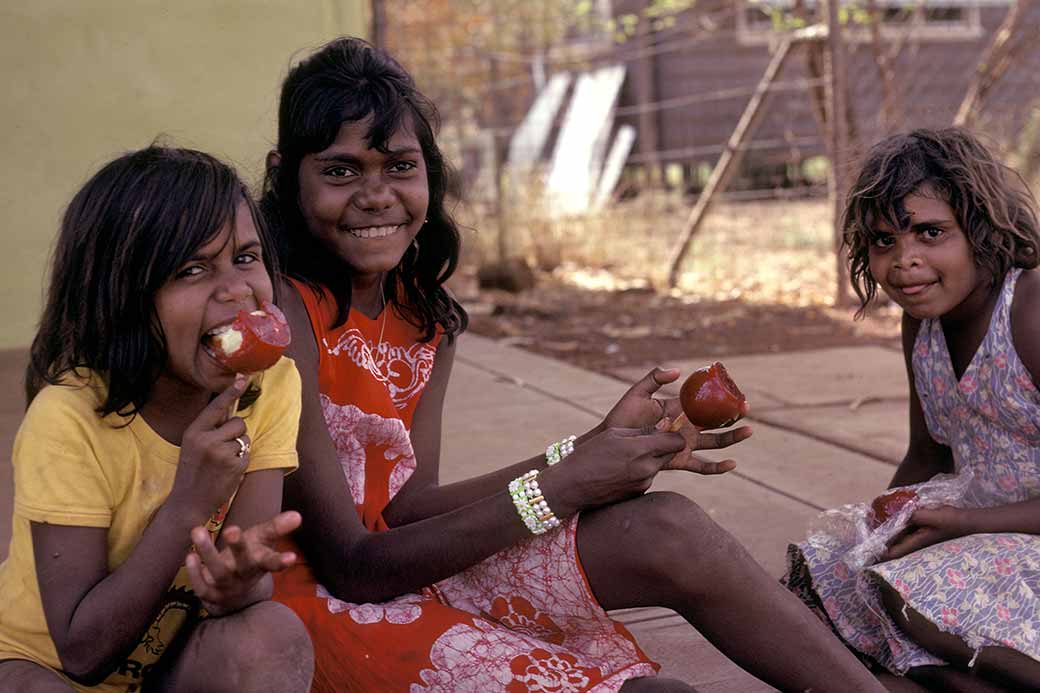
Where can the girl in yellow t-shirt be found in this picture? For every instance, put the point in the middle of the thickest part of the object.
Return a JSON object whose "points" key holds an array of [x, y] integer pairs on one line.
{"points": [[141, 457]]}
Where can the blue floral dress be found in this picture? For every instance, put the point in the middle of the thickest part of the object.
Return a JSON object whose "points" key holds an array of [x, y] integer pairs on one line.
{"points": [[984, 588]]}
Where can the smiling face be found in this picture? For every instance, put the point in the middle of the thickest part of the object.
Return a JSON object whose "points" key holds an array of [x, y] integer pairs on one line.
{"points": [[364, 205], [227, 274], [927, 268]]}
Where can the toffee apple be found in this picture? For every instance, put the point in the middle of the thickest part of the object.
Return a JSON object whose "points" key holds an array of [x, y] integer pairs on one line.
{"points": [[888, 504], [253, 342], [710, 398]]}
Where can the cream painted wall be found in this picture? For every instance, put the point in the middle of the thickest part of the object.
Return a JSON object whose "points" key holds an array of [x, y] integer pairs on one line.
{"points": [[83, 82]]}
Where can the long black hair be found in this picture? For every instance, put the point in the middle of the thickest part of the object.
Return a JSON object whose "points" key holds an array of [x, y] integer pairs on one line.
{"points": [[992, 204], [346, 81], [125, 233]]}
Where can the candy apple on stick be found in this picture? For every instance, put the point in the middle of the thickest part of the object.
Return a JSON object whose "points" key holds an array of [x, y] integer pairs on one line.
{"points": [[889, 504], [710, 399], [253, 342]]}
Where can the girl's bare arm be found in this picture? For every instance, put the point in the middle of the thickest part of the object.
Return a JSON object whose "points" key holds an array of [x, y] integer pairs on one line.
{"points": [[1025, 323], [96, 617], [362, 566], [423, 496], [230, 576]]}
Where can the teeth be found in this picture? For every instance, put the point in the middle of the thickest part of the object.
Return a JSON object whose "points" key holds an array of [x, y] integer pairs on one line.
{"points": [[374, 231]]}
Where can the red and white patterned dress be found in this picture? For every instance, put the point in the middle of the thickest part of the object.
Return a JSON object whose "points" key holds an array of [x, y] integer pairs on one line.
{"points": [[523, 620]]}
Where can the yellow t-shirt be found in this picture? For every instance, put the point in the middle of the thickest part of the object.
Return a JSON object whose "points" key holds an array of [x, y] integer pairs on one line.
{"points": [[71, 467]]}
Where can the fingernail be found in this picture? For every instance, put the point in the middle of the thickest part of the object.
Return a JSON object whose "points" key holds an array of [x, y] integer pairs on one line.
{"points": [[240, 381]]}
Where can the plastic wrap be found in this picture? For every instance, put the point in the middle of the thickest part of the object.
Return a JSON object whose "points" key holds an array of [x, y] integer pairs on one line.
{"points": [[849, 529]]}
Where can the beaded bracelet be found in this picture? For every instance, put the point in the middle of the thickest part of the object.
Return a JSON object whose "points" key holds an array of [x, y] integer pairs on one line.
{"points": [[555, 453], [531, 505]]}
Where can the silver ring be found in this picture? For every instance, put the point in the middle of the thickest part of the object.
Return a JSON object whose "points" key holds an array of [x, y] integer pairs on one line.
{"points": [[243, 447]]}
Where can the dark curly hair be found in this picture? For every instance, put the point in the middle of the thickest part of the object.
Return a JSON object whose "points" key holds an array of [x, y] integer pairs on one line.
{"points": [[990, 201], [123, 236], [346, 81]]}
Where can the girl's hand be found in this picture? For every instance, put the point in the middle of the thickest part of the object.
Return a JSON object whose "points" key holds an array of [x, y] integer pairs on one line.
{"points": [[638, 407], [928, 526], [697, 439], [233, 578], [212, 459], [611, 466]]}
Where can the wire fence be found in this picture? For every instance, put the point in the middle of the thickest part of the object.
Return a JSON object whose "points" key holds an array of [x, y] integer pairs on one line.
{"points": [[686, 85]]}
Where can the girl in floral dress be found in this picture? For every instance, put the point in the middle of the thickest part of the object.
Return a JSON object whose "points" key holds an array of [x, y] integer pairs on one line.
{"points": [[947, 590], [494, 583]]}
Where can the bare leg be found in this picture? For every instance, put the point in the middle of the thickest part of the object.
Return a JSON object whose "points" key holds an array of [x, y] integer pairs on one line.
{"points": [[654, 684], [899, 684], [660, 549], [262, 649], [27, 677], [995, 668], [950, 680]]}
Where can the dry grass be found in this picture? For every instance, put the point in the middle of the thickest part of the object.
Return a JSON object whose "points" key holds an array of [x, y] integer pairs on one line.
{"points": [[759, 277], [777, 252]]}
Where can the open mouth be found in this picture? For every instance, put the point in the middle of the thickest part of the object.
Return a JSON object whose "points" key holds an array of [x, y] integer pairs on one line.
{"points": [[375, 231], [221, 338]]}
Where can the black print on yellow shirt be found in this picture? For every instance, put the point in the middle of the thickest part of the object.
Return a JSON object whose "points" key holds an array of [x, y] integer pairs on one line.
{"points": [[179, 609]]}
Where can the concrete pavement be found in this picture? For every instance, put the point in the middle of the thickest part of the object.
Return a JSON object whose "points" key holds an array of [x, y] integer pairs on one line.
{"points": [[829, 426]]}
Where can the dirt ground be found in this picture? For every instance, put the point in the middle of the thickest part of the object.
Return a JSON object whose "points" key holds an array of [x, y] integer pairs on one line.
{"points": [[759, 278], [602, 330]]}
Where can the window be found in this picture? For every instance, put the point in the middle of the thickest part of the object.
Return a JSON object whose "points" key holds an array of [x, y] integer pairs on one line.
{"points": [[944, 20]]}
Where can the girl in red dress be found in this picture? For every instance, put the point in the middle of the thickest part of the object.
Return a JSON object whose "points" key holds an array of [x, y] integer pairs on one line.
{"points": [[500, 582]]}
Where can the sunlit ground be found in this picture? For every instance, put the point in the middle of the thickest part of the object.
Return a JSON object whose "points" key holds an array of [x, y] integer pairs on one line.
{"points": [[760, 252]]}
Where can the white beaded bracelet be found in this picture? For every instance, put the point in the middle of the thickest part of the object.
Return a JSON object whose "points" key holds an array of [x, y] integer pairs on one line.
{"points": [[518, 492], [555, 453], [531, 505]]}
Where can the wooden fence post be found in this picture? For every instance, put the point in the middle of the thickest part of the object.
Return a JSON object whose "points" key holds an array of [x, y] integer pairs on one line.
{"points": [[837, 86], [732, 154]]}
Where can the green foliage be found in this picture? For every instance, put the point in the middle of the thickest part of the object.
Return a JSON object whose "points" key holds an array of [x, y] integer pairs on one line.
{"points": [[850, 12], [658, 14], [498, 41], [816, 169]]}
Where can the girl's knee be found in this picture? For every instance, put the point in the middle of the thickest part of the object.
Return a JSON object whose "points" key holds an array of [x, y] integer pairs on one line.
{"points": [[265, 647], [922, 631], [894, 604], [656, 684], [669, 526], [682, 524], [27, 677], [276, 633]]}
